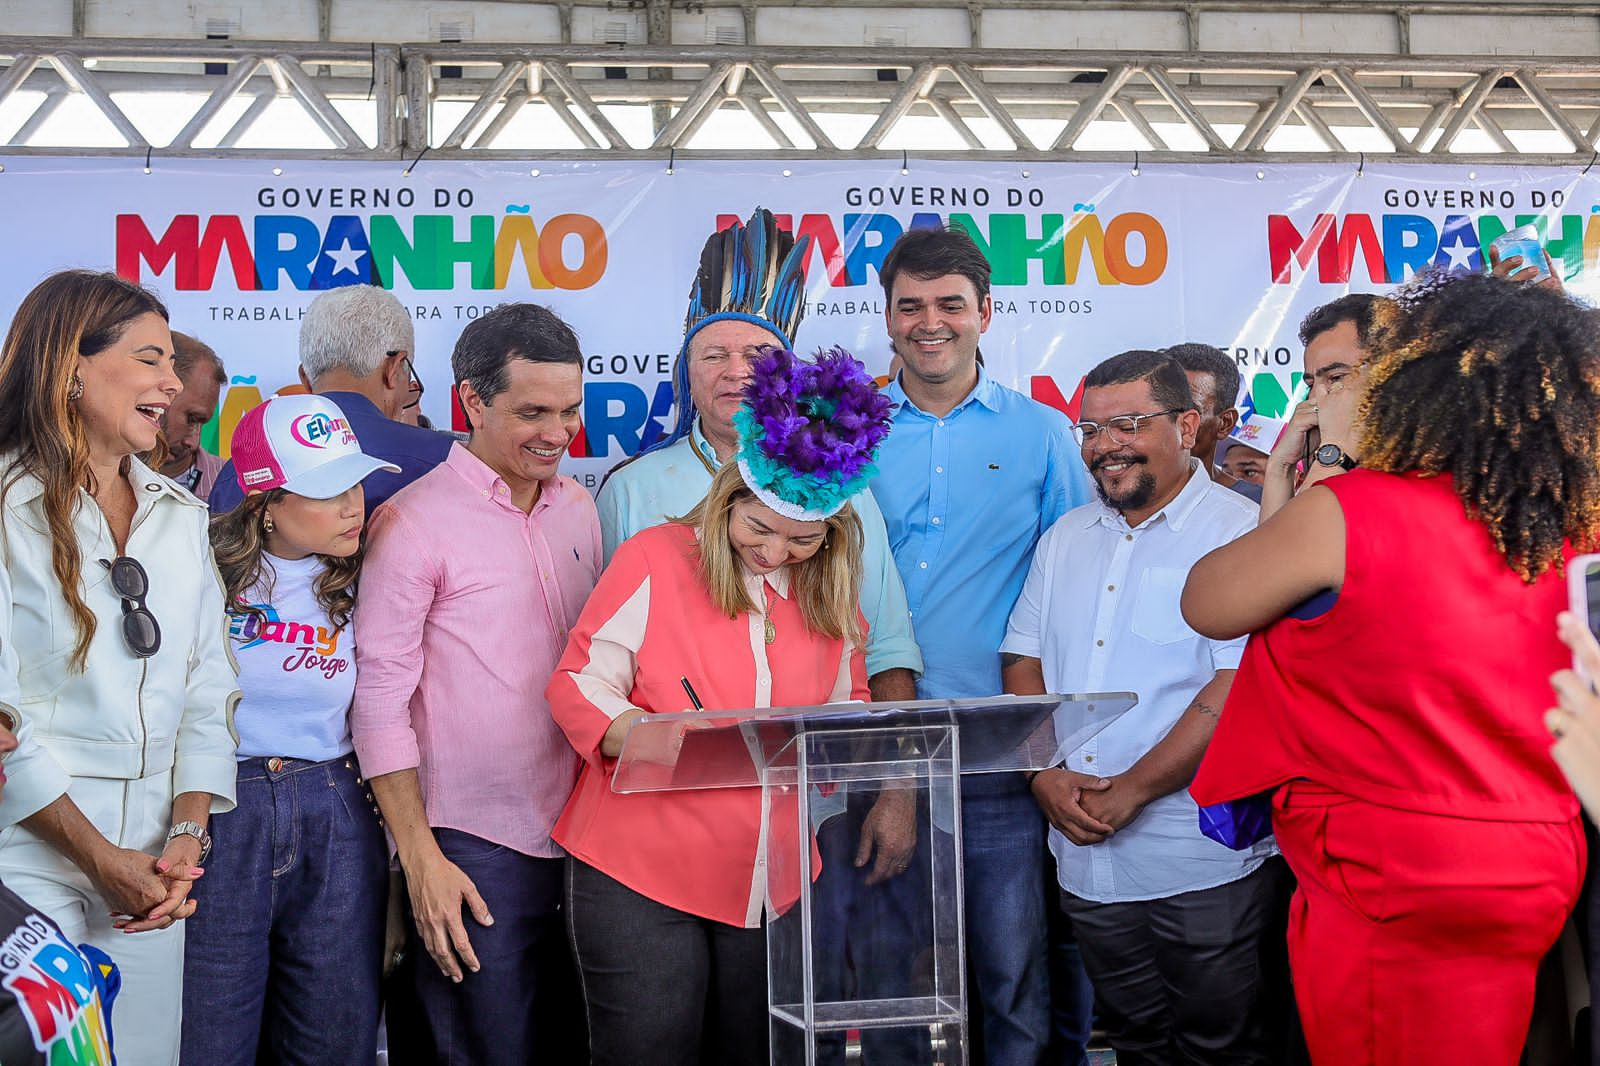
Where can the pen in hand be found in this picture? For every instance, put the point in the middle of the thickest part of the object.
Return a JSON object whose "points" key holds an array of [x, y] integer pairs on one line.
{"points": [[694, 700]]}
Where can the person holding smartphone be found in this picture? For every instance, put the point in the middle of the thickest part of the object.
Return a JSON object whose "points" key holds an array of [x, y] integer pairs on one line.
{"points": [[1575, 719], [1317, 442], [1391, 695], [1520, 255]]}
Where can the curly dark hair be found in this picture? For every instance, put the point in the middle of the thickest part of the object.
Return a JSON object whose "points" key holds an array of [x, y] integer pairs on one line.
{"points": [[1497, 385]]}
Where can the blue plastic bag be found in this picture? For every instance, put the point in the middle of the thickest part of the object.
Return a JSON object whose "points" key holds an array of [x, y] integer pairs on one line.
{"points": [[1240, 823]]}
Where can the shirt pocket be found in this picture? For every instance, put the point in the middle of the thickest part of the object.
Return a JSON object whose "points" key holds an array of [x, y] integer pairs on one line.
{"points": [[1157, 617]]}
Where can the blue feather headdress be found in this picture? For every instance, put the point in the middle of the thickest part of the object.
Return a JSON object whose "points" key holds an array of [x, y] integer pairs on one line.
{"points": [[808, 432], [754, 273]]}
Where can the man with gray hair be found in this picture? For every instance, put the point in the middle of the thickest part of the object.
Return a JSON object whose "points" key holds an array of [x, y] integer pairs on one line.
{"points": [[355, 349]]}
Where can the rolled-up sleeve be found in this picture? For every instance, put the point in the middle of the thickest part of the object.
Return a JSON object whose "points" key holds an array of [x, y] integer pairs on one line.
{"points": [[1025, 627], [890, 643], [399, 579], [34, 779], [207, 742], [593, 682]]}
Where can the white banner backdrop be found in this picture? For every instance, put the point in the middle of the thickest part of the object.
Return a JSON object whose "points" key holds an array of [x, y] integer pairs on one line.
{"points": [[1089, 260]]}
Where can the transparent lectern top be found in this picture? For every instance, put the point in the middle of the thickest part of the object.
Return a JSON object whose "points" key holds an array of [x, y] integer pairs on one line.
{"points": [[858, 741]]}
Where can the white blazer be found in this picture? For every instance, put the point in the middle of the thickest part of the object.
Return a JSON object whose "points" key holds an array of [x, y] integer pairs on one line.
{"points": [[122, 717]]}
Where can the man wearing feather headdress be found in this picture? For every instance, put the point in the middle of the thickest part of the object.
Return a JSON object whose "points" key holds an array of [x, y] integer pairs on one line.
{"points": [[748, 295]]}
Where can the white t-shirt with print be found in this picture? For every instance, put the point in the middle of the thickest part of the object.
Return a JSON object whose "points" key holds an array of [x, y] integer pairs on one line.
{"points": [[297, 673]]}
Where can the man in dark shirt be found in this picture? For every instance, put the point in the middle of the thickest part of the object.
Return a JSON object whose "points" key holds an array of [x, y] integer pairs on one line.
{"points": [[355, 349], [1214, 379]]}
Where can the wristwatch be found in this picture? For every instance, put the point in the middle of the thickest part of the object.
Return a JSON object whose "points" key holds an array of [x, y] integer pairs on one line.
{"points": [[1333, 455], [196, 830]]}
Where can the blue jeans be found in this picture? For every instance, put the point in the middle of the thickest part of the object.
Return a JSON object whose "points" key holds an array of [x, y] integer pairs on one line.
{"points": [[871, 940], [1003, 844], [282, 959], [523, 1005]]}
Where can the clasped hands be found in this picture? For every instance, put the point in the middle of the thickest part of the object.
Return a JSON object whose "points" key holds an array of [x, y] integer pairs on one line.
{"points": [[1085, 808], [148, 892]]}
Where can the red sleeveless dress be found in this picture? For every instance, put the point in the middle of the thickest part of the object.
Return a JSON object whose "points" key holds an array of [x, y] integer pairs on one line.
{"points": [[1436, 842]]}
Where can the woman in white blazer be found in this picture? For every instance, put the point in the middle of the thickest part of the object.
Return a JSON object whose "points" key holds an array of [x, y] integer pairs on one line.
{"points": [[112, 651]]}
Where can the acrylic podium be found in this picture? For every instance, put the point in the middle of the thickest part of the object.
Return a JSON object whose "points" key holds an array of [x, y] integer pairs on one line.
{"points": [[863, 964]]}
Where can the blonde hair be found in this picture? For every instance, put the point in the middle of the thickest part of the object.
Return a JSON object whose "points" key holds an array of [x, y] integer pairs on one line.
{"points": [[827, 586]]}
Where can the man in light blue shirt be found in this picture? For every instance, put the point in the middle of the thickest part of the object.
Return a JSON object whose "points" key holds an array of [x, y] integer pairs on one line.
{"points": [[971, 476]]}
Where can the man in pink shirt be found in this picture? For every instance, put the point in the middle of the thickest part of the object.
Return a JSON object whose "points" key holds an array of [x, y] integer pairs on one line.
{"points": [[473, 576]]}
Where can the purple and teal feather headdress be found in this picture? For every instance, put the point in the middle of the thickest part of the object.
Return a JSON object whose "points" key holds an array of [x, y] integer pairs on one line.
{"points": [[808, 432]]}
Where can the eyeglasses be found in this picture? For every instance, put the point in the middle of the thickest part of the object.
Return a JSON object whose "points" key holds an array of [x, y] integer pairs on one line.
{"points": [[411, 371], [140, 632], [1122, 429]]}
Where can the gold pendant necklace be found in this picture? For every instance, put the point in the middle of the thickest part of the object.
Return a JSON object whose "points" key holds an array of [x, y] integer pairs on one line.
{"points": [[771, 631]]}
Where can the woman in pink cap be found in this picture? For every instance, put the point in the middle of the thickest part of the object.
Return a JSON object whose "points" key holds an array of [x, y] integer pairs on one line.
{"points": [[285, 965]]}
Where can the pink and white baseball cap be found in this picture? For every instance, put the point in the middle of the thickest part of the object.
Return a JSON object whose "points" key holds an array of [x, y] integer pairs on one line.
{"points": [[302, 444]]}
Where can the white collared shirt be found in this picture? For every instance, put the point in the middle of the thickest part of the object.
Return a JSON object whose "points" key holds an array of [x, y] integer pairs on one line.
{"points": [[1100, 611]]}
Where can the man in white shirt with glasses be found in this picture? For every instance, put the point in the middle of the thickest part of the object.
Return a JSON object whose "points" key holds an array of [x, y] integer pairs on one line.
{"points": [[1168, 920]]}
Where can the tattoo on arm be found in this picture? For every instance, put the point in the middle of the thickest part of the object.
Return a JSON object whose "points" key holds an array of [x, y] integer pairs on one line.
{"points": [[1008, 659], [1206, 709]]}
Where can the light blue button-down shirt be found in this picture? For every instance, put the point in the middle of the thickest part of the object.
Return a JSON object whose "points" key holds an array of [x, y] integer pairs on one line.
{"points": [[670, 482], [966, 497]]}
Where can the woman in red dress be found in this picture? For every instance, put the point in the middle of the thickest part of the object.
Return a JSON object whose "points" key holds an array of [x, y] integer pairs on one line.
{"points": [[1437, 846]]}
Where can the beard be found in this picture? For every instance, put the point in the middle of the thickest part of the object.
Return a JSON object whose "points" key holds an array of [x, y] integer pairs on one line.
{"points": [[1138, 495]]}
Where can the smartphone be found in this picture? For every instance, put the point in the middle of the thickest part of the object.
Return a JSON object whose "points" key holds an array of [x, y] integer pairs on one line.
{"points": [[1522, 241], [1583, 592]]}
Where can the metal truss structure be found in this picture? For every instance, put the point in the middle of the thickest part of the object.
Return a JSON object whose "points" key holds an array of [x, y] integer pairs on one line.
{"points": [[463, 100]]}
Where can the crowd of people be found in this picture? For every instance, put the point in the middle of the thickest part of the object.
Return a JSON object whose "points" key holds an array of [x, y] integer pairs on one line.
{"points": [[335, 754]]}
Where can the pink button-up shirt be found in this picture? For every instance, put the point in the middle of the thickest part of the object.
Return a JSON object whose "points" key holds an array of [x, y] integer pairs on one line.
{"points": [[465, 603]]}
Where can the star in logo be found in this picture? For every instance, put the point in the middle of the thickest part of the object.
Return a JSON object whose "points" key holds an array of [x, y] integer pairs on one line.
{"points": [[1460, 254], [345, 257], [1247, 408]]}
